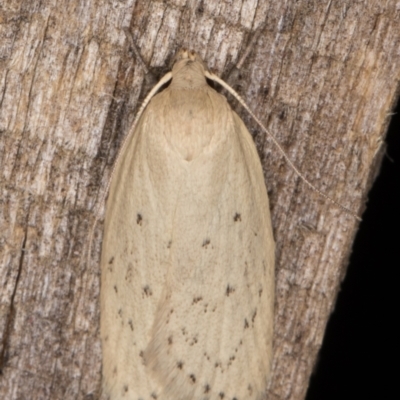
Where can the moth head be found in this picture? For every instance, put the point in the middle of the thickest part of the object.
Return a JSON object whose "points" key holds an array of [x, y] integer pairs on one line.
{"points": [[188, 70]]}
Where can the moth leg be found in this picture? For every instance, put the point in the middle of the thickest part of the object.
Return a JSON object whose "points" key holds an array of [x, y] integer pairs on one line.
{"points": [[233, 76], [150, 79]]}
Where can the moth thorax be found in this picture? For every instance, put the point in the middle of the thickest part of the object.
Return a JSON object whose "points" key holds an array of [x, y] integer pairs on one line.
{"points": [[188, 74]]}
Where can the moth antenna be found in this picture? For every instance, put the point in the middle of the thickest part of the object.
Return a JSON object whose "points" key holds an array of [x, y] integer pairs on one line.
{"points": [[215, 78], [165, 79]]}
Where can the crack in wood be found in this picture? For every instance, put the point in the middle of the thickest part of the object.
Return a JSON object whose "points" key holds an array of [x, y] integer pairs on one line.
{"points": [[8, 324]]}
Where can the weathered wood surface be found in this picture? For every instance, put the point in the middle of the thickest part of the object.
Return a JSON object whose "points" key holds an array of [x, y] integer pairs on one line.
{"points": [[323, 76]]}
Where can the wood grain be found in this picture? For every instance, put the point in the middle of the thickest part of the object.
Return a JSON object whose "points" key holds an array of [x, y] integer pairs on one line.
{"points": [[323, 76]]}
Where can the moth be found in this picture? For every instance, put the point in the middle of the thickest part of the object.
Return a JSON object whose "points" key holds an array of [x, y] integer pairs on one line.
{"points": [[187, 264]]}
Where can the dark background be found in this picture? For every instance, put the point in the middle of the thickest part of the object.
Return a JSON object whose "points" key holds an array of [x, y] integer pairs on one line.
{"points": [[359, 356]]}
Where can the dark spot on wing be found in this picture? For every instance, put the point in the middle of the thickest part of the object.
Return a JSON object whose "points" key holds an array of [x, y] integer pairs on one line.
{"points": [[207, 388], [193, 341], [115, 370], [120, 312], [197, 299], [139, 219], [126, 388], [147, 291], [246, 324], [130, 323], [110, 264], [192, 378], [264, 266], [250, 389], [260, 292], [169, 244], [170, 341], [221, 395], [141, 354], [229, 290], [129, 272], [115, 289], [237, 217], [254, 316], [153, 396], [205, 243], [179, 364]]}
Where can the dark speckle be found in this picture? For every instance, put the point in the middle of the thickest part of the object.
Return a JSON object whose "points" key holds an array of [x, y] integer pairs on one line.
{"points": [[169, 244], [197, 299], [229, 290], [250, 389], [111, 260], [298, 337], [170, 341], [115, 289], [141, 354], [139, 219], [221, 395], [147, 291], [179, 364], [282, 115], [246, 324], [130, 323], [126, 388], [207, 388], [234, 398], [254, 316], [200, 8], [153, 396], [237, 217], [120, 312], [193, 341], [205, 243], [192, 378], [260, 292]]}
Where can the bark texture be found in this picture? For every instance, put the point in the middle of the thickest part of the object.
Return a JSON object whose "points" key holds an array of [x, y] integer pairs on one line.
{"points": [[322, 75]]}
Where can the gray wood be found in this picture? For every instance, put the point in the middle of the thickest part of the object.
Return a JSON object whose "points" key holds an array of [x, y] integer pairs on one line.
{"points": [[323, 76]]}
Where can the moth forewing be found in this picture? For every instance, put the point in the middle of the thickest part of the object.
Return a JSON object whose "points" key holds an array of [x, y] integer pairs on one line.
{"points": [[187, 285]]}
